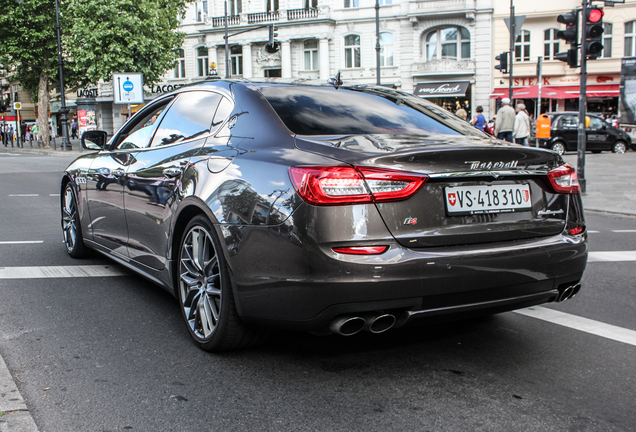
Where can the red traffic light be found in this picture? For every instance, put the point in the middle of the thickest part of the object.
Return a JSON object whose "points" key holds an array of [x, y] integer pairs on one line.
{"points": [[595, 15]]}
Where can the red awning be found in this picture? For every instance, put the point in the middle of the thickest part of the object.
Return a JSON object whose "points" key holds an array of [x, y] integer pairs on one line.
{"points": [[593, 90], [532, 92]]}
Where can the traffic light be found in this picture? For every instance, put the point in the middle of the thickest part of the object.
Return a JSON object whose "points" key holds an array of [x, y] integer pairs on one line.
{"points": [[570, 57], [503, 62], [571, 32], [272, 44], [3, 108], [594, 32]]}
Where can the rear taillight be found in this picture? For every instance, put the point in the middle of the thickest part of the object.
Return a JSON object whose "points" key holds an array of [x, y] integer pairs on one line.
{"points": [[564, 179], [353, 185]]}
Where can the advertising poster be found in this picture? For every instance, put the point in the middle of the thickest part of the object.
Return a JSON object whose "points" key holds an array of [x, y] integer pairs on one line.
{"points": [[81, 120], [627, 99]]}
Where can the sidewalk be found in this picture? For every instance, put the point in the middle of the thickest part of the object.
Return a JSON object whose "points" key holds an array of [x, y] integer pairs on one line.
{"points": [[31, 147]]}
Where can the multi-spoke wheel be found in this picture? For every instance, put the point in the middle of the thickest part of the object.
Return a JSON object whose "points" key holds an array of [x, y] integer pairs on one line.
{"points": [[558, 147], [619, 147], [71, 226], [205, 292]]}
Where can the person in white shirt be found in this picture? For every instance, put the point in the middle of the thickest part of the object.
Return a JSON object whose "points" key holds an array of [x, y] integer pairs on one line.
{"points": [[521, 130]]}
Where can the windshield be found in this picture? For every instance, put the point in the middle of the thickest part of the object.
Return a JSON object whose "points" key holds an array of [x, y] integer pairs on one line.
{"points": [[309, 110]]}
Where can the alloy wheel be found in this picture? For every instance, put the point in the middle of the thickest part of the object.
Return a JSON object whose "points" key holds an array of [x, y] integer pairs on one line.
{"points": [[200, 282], [619, 147], [69, 219], [558, 148]]}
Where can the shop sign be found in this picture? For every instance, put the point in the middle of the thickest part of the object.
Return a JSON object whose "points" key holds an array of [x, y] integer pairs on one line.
{"points": [[88, 93], [448, 89], [55, 106], [165, 88]]}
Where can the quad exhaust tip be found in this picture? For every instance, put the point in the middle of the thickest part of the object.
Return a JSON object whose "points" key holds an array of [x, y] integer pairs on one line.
{"points": [[373, 323], [569, 292]]}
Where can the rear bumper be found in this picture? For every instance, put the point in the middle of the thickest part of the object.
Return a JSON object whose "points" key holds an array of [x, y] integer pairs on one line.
{"points": [[410, 283]]}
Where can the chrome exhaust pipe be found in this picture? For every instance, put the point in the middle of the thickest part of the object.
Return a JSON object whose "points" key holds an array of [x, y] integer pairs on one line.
{"points": [[378, 323], [566, 294], [347, 325], [575, 290]]}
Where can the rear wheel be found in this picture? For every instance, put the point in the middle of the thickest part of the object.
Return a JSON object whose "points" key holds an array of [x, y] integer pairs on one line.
{"points": [[619, 147], [205, 292], [70, 225], [558, 147]]}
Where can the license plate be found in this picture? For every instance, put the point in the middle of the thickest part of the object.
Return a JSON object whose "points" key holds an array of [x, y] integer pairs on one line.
{"points": [[467, 200]]}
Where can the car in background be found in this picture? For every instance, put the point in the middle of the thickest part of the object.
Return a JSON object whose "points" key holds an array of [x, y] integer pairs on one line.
{"points": [[328, 209], [601, 136]]}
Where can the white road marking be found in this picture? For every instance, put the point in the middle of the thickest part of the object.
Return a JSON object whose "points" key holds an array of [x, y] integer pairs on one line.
{"points": [[593, 232], [586, 325], [612, 256], [624, 231], [59, 272], [21, 242], [55, 195], [24, 195]]}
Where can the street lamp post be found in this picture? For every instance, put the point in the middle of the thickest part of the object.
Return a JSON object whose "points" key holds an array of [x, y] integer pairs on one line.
{"points": [[63, 110], [377, 40]]}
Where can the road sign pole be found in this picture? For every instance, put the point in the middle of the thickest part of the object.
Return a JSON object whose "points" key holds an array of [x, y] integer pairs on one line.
{"points": [[581, 144]]}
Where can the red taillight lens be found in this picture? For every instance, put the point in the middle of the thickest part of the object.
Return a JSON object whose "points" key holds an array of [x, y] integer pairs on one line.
{"points": [[361, 250], [350, 185], [577, 230], [564, 179]]}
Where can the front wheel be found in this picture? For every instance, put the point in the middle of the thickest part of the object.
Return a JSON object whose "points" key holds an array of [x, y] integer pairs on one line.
{"points": [[619, 147], [205, 292], [71, 226], [558, 147]]}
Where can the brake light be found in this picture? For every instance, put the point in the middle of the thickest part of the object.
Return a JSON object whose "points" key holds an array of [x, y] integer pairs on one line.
{"points": [[564, 180], [577, 230], [353, 185], [361, 250]]}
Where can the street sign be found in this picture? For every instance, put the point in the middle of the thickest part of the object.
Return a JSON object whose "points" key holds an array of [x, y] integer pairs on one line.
{"points": [[519, 20], [128, 88], [17, 105]]}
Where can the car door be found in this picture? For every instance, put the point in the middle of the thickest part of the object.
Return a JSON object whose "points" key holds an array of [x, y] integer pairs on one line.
{"points": [[106, 178], [568, 130], [597, 136], [154, 178]]}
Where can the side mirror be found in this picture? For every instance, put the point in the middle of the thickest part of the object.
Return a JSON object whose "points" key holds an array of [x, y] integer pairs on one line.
{"points": [[94, 139]]}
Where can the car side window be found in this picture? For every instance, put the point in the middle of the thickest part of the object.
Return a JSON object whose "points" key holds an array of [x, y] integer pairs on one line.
{"points": [[569, 122], [224, 110], [596, 123], [189, 117], [139, 133]]}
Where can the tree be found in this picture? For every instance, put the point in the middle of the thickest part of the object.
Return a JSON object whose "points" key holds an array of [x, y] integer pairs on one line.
{"points": [[28, 45], [118, 36], [100, 37]]}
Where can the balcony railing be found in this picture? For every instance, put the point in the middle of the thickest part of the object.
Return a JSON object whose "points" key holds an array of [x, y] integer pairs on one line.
{"points": [[231, 21], [260, 17], [298, 14]]}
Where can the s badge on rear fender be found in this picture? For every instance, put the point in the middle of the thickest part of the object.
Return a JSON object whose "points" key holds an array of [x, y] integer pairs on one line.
{"points": [[410, 221]]}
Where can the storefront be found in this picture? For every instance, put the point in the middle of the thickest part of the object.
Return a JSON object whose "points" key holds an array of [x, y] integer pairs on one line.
{"points": [[450, 95]]}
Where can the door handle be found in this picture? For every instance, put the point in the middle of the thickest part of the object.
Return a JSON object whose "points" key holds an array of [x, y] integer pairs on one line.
{"points": [[172, 172], [118, 172]]}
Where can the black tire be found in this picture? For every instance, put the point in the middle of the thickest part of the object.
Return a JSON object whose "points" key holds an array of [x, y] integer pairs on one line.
{"points": [[204, 290], [71, 228], [619, 147], [558, 147]]}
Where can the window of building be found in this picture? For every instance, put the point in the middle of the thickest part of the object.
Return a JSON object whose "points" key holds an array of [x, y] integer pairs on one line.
{"points": [[448, 43], [202, 61], [386, 49], [235, 6], [385, 2], [197, 12], [522, 46], [310, 4], [311, 54], [351, 3], [550, 44], [236, 60], [352, 51], [607, 40], [272, 5], [179, 70], [630, 38]]}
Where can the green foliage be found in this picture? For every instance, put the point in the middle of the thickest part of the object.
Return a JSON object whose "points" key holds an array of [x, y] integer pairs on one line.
{"points": [[117, 36]]}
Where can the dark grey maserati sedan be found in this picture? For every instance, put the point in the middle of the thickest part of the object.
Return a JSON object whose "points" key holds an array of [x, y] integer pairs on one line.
{"points": [[322, 208]]}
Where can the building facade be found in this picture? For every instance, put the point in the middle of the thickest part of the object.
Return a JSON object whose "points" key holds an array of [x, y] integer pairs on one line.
{"points": [[538, 38]]}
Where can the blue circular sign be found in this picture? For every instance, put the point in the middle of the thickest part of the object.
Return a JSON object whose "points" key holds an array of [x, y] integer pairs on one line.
{"points": [[128, 86]]}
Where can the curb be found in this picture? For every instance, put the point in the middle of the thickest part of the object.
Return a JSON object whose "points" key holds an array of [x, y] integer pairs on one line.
{"points": [[14, 414]]}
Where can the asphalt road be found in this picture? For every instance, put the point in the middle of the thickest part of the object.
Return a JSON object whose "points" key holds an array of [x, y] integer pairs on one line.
{"points": [[111, 353]]}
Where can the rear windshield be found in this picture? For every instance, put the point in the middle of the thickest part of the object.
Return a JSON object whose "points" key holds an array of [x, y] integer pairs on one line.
{"points": [[349, 111]]}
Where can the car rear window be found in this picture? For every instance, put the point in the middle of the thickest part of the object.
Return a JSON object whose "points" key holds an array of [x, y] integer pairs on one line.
{"points": [[347, 111]]}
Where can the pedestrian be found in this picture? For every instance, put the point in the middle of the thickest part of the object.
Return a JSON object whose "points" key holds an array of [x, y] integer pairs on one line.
{"points": [[479, 120], [27, 137], [505, 121], [74, 129], [461, 112], [11, 134], [34, 130], [23, 127], [522, 128]]}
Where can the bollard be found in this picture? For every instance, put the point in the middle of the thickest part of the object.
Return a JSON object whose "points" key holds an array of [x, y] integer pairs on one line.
{"points": [[54, 143]]}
